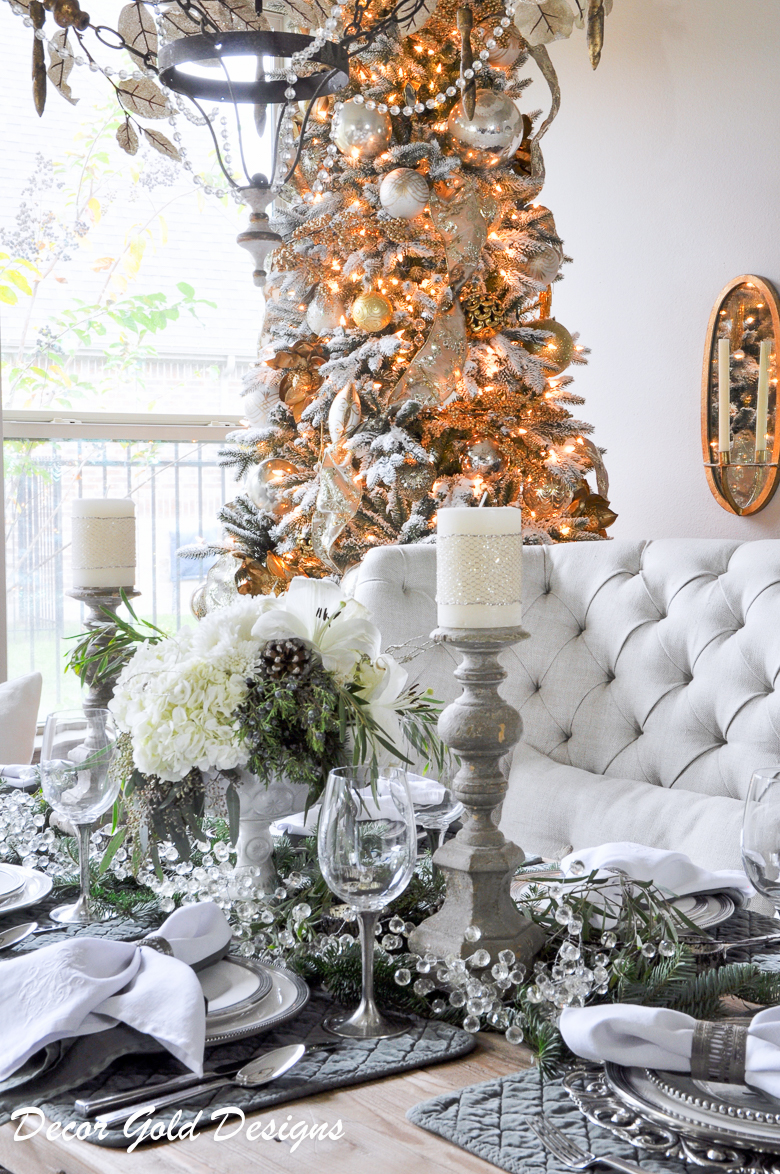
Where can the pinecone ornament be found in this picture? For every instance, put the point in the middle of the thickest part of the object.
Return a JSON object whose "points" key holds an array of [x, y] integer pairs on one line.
{"points": [[484, 314], [285, 658]]}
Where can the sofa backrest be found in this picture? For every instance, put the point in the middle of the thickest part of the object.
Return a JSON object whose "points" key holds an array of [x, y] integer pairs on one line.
{"points": [[647, 660]]}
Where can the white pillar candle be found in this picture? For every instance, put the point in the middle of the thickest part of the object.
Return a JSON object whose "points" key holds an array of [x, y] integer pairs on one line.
{"points": [[479, 567], [724, 396], [103, 542], [762, 401]]}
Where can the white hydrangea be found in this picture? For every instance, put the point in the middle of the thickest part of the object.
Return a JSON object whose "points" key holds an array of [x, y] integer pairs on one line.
{"points": [[178, 699]]}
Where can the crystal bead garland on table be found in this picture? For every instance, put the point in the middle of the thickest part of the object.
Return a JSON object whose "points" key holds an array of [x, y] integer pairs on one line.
{"points": [[479, 565]]}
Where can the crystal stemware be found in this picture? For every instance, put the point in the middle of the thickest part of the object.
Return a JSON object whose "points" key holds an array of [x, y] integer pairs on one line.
{"points": [[367, 849], [437, 817], [761, 834], [76, 753]]}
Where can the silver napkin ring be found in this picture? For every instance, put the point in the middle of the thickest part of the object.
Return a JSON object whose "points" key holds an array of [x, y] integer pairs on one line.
{"points": [[718, 1052], [155, 941]]}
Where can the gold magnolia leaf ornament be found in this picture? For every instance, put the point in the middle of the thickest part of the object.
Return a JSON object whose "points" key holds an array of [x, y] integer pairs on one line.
{"points": [[127, 138], [136, 26], [161, 144], [144, 98], [302, 380], [61, 66]]}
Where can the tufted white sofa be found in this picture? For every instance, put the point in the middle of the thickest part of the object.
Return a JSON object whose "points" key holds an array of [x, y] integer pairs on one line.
{"points": [[647, 687]]}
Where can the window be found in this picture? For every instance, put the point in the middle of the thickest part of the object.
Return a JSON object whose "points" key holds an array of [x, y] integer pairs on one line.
{"points": [[127, 320]]}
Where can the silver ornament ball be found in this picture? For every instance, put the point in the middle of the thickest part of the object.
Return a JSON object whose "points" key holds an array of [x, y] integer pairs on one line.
{"points": [[484, 457], [360, 133], [404, 193], [325, 312], [492, 135]]}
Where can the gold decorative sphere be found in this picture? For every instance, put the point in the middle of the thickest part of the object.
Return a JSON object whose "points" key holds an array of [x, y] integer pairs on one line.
{"points": [[372, 312], [558, 350]]}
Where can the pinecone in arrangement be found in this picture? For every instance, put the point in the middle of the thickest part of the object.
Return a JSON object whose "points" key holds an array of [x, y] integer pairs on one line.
{"points": [[285, 658], [484, 314]]}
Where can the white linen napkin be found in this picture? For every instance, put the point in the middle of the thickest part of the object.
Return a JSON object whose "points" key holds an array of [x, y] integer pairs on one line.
{"points": [[654, 1037], [672, 871], [424, 793], [21, 775], [87, 985]]}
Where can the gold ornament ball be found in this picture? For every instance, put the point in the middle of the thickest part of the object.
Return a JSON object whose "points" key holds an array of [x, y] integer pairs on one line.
{"points": [[360, 133], [484, 314], [557, 350], [492, 135], [551, 497], [372, 312], [506, 54]]}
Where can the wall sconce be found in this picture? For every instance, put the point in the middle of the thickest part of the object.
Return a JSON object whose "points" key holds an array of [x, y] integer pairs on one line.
{"points": [[739, 436]]}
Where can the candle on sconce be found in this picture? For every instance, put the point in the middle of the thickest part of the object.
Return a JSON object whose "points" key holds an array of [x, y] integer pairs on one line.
{"points": [[103, 542], [724, 396], [762, 399], [479, 567]]}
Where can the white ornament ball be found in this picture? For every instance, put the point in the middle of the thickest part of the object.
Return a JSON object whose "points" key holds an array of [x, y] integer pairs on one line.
{"points": [[492, 135], [360, 133], [325, 312], [404, 193], [506, 54], [543, 266]]}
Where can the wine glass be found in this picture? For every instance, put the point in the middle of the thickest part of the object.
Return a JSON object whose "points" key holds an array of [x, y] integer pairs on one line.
{"points": [[437, 817], [75, 757], [761, 834], [367, 848]]}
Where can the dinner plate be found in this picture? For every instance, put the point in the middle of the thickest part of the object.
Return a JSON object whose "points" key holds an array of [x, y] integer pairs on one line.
{"points": [[230, 984], [11, 882], [36, 886], [286, 998], [706, 909]]}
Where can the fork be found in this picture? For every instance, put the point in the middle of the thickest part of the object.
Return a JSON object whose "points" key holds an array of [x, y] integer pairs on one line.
{"points": [[570, 1154]]}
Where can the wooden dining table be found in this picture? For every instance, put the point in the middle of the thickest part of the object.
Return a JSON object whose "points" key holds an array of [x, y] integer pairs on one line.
{"points": [[375, 1136]]}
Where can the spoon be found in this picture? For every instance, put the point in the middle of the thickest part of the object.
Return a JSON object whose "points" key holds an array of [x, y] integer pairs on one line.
{"points": [[260, 1071], [17, 933]]}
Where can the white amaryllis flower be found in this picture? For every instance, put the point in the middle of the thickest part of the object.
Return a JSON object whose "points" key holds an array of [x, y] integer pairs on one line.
{"points": [[317, 612], [382, 683]]}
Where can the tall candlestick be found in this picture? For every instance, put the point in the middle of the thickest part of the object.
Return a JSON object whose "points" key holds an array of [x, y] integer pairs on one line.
{"points": [[479, 567], [103, 542], [762, 401], [724, 396]]}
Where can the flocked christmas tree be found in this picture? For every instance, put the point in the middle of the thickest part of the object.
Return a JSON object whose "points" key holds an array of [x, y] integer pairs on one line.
{"points": [[408, 359]]}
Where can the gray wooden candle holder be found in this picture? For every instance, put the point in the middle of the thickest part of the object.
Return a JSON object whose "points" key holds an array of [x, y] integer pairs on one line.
{"points": [[98, 601], [479, 863]]}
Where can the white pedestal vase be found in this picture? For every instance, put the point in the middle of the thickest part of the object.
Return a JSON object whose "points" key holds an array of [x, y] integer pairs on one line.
{"points": [[260, 806]]}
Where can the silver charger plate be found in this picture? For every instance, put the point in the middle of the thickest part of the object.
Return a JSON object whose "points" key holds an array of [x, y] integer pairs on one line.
{"points": [[286, 998], [711, 1126]]}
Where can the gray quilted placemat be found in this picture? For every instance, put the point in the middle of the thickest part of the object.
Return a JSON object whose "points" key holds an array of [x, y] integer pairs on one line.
{"points": [[352, 1062], [487, 1120]]}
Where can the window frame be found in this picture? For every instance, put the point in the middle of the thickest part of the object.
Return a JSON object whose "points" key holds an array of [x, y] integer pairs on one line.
{"points": [[62, 424]]}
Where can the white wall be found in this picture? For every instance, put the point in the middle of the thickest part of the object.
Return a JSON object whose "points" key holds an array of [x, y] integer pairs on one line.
{"points": [[664, 177]]}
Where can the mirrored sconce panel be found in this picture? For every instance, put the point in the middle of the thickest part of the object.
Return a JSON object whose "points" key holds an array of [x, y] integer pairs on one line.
{"points": [[740, 439]]}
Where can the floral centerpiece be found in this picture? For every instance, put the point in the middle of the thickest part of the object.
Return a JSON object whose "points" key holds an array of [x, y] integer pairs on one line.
{"points": [[285, 686]]}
